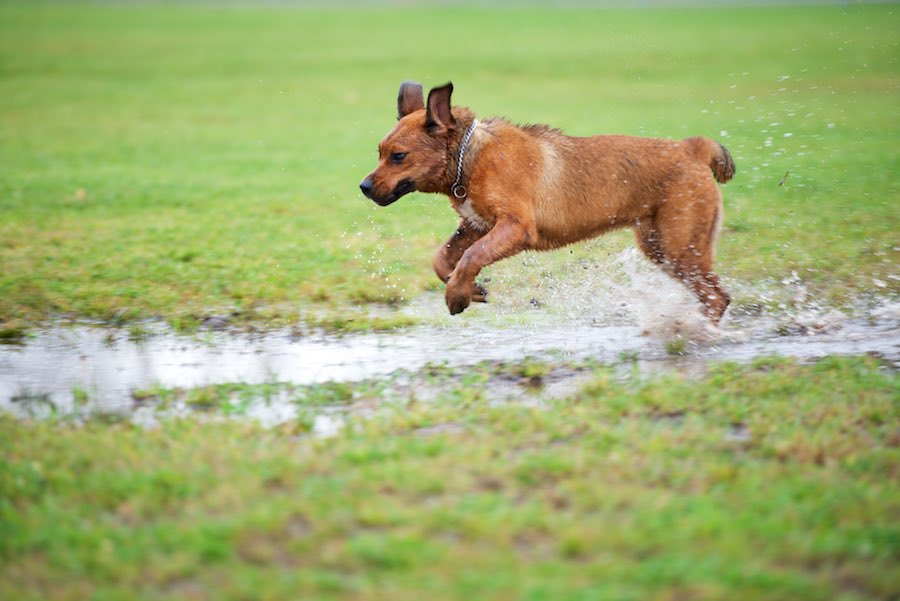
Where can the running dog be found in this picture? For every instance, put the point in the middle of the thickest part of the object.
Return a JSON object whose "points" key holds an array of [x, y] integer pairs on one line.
{"points": [[532, 187]]}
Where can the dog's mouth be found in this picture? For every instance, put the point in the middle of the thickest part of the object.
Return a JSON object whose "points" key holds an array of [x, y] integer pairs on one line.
{"points": [[402, 188]]}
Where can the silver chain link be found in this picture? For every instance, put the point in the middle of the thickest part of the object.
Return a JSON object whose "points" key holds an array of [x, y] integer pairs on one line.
{"points": [[459, 191]]}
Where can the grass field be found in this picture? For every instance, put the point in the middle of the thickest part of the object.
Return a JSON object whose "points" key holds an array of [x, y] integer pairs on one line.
{"points": [[186, 162], [768, 482]]}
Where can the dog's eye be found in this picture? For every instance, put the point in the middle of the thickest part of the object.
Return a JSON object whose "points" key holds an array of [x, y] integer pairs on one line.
{"points": [[397, 157]]}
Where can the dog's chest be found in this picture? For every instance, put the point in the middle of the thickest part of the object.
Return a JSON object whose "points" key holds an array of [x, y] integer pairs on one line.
{"points": [[472, 217]]}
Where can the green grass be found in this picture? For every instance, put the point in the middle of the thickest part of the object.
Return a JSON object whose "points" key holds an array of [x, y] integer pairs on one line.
{"points": [[765, 482], [184, 162]]}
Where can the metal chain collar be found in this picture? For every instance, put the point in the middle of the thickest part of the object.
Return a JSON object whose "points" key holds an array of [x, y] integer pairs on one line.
{"points": [[458, 190]]}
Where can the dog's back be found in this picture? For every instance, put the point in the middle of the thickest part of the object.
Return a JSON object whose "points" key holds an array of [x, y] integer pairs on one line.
{"points": [[578, 188]]}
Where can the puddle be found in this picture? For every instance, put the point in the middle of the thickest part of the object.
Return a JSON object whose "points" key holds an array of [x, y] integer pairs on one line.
{"points": [[57, 365], [62, 370]]}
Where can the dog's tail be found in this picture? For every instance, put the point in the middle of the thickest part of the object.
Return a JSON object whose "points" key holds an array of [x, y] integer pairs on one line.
{"points": [[713, 154]]}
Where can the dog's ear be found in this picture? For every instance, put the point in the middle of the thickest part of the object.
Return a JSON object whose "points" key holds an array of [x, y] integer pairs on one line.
{"points": [[438, 114], [409, 99]]}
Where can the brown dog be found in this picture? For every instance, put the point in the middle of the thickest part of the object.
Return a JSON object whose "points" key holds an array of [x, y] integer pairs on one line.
{"points": [[534, 188]]}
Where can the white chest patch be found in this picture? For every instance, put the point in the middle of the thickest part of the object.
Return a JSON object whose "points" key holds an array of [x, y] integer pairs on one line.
{"points": [[467, 212]]}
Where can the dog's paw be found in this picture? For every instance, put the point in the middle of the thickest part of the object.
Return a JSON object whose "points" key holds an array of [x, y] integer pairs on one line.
{"points": [[457, 303], [459, 297]]}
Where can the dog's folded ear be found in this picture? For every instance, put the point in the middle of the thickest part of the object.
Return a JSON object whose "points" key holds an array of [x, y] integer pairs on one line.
{"points": [[438, 114], [409, 99]]}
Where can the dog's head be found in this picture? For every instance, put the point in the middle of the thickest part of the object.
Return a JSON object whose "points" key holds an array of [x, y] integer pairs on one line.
{"points": [[415, 155]]}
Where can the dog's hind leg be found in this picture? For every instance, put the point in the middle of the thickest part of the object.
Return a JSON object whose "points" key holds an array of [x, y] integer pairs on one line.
{"points": [[682, 240], [648, 240]]}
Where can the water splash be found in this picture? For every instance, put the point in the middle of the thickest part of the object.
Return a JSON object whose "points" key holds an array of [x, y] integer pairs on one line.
{"points": [[664, 308], [620, 288]]}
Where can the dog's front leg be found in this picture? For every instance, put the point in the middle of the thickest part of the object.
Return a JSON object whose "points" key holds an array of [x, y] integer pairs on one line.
{"points": [[449, 254], [508, 237]]}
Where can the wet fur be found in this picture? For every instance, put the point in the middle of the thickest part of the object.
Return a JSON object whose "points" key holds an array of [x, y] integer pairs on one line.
{"points": [[531, 187]]}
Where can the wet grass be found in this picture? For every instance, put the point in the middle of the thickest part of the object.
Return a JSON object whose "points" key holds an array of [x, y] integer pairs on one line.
{"points": [[477, 382], [13, 332], [763, 482], [188, 162]]}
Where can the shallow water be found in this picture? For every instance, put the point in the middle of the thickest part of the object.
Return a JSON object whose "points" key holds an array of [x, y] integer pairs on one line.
{"points": [[571, 321], [110, 368]]}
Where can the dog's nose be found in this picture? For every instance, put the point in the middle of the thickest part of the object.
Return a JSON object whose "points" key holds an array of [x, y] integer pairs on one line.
{"points": [[366, 186]]}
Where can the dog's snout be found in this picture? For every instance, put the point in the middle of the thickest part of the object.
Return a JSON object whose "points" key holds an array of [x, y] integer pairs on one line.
{"points": [[366, 186]]}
